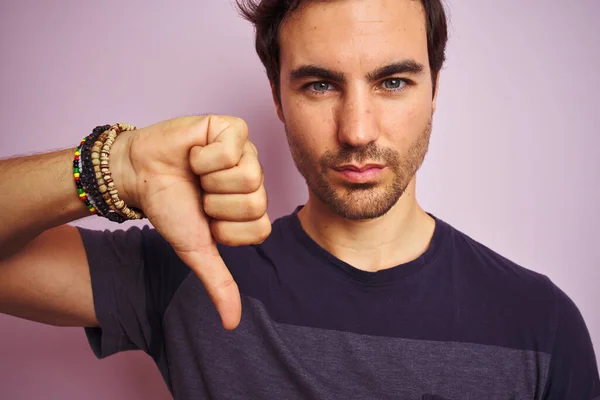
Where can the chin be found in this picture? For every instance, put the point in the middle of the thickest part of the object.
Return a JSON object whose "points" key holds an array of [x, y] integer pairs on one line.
{"points": [[360, 203]]}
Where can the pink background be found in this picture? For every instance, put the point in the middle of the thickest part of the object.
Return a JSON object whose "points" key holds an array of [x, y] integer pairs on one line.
{"points": [[513, 162]]}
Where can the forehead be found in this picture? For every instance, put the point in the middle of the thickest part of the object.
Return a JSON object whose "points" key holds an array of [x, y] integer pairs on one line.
{"points": [[354, 34]]}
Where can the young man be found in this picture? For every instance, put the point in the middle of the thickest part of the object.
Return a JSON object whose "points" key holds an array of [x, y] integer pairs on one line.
{"points": [[359, 294]]}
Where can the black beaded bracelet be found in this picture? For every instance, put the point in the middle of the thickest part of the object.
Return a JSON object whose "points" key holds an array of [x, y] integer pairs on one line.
{"points": [[85, 186], [89, 180], [88, 177]]}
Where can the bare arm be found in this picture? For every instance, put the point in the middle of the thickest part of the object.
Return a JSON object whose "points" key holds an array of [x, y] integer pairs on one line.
{"points": [[36, 193], [48, 281], [44, 274]]}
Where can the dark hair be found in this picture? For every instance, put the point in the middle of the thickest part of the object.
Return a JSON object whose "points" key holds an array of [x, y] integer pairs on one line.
{"points": [[267, 16]]}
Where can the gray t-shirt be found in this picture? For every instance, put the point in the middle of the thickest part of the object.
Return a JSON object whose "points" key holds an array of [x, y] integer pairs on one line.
{"points": [[458, 323]]}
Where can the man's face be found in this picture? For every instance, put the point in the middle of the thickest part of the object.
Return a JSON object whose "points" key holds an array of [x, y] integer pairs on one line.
{"points": [[356, 100]]}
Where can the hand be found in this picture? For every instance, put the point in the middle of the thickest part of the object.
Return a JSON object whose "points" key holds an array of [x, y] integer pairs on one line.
{"points": [[198, 180]]}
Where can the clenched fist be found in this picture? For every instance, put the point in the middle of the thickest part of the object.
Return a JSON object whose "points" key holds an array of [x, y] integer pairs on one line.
{"points": [[198, 180]]}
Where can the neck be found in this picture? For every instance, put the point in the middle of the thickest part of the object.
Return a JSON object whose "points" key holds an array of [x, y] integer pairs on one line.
{"points": [[399, 236]]}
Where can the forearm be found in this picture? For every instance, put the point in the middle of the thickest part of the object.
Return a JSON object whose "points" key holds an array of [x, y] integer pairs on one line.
{"points": [[36, 193]]}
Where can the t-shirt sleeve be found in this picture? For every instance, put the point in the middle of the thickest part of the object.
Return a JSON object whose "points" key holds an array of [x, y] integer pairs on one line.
{"points": [[573, 368], [134, 275]]}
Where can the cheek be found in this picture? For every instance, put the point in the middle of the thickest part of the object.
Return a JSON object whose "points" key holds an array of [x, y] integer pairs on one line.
{"points": [[312, 125], [403, 123]]}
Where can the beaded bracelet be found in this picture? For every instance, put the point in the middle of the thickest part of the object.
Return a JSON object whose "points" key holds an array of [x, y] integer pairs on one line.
{"points": [[96, 176], [100, 159], [81, 181], [93, 178], [77, 175], [87, 174]]}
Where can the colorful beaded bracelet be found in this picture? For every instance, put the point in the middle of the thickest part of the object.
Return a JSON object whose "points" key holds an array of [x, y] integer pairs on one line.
{"points": [[77, 168]]}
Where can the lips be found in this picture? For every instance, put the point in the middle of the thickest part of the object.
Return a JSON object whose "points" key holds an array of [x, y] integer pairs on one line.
{"points": [[358, 168], [360, 174]]}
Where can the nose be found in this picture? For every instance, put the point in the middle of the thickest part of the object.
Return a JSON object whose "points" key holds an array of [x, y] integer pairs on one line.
{"points": [[357, 125]]}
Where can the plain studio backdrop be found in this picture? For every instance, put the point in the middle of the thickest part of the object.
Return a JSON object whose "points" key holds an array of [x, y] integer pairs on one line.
{"points": [[514, 158]]}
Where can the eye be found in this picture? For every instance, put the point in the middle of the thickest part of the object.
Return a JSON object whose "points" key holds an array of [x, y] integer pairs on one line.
{"points": [[320, 86], [394, 84]]}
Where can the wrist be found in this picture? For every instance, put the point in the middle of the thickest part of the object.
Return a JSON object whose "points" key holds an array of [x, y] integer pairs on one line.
{"points": [[123, 173]]}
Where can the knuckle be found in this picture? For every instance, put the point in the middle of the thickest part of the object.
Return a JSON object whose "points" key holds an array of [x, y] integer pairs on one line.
{"points": [[229, 158], [263, 231], [254, 148], [220, 234], [249, 210], [219, 118], [256, 205], [252, 179], [242, 125]]}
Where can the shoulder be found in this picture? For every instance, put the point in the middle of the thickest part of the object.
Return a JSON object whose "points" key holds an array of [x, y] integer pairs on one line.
{"points": [[509, 305], [493, 270]]}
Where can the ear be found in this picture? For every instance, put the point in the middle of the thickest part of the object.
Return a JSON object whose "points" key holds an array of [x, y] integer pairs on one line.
{"points": [[437, 89], [277, 102]]}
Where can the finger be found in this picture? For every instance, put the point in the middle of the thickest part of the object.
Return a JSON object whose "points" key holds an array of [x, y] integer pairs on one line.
{"points": [[208, 265], [253, 147], [246, 177], [236, 207], [186, 228], [221, 153], [241, 233]]}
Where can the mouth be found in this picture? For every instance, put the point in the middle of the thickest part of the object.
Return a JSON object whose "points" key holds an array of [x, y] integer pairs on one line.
{"points": [[358, 168], [354, 173]]}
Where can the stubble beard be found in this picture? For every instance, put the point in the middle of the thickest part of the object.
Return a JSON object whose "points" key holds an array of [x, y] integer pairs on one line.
{"points": [[358, 201]]}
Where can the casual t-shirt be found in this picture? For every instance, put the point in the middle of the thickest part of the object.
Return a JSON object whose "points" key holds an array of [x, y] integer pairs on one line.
{"points": [[459, 322]]}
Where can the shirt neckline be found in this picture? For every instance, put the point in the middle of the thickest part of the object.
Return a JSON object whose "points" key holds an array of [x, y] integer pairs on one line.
{"points": [[382, 277]]}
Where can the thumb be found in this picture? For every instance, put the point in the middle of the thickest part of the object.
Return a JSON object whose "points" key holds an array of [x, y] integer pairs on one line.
{"points": [[208, 265], [185, 227]]}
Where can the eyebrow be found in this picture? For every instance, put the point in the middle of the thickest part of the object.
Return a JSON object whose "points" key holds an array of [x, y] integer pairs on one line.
{"points": [[314, 71], [403, 67]]}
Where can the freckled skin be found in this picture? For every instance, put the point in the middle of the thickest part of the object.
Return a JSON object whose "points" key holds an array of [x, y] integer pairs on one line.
{"points": [[357, 121]]}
